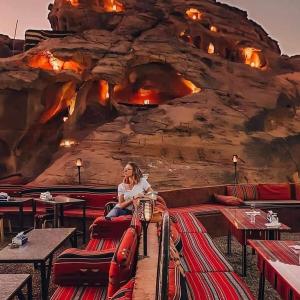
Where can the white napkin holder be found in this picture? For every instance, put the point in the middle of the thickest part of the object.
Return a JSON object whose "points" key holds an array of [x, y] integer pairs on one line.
{"points": [[4, 197], [46, 196], [20, 239]]}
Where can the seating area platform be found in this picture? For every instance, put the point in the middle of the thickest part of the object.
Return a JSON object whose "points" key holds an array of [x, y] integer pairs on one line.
{"points": [[105, 267]]}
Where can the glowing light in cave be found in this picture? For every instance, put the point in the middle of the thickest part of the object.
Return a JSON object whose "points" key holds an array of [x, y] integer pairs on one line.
{"points": [[74, 3], [146, 101], [194, 14], [113, 6], [252, 57], [211, 48], [67, 143], [213, 28], [47, 61], [65, 119], [194, 89], [103, 91], [186, 37]]}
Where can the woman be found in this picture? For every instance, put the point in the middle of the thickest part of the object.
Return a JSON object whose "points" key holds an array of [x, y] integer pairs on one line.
{"points": [[134, 185]]}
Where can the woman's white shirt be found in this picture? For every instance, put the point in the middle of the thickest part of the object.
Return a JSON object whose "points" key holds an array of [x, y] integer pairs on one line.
{"points": [[139, 188]]}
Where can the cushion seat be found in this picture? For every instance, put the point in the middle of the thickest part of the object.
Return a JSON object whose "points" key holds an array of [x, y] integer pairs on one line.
{"points": [[187, 222], [217, 285], [201, 255], [199, 208], [101, 244], [80, 293]]}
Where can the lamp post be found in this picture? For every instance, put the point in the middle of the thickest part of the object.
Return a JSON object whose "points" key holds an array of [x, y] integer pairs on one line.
{"points": [[235, 160], [79, 165], [145, 217]]}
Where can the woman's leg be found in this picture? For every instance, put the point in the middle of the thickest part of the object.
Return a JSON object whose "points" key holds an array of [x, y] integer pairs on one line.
{"points": [[116, 212]]}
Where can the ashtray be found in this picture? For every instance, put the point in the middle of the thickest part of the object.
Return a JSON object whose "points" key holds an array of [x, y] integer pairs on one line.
{"points": [[273, 225]]}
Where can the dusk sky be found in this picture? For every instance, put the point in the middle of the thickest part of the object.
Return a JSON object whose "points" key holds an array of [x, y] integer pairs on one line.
{"points": [[280, 18]]}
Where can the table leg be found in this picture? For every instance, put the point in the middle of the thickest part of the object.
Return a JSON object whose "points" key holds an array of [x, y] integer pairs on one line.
{"points": [[83, 223], [74, 239], [29, 288], [21, 217], [61, 219], [44, 285], [244, 260], [261, 291], [229, 243], [56, 216]]}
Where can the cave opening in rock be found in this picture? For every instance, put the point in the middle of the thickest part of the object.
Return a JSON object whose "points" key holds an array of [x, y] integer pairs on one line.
{"points": [[211, 48], [253, 57], [152, 84], [56, 98], [48, 61], [194, 14]]}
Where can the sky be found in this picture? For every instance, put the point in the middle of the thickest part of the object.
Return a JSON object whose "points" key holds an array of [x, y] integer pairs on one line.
{"points": [[280, 18]]}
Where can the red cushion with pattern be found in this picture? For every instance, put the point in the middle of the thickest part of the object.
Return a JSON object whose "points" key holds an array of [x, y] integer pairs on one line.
{"points": [[81, 267], [125, 292], [174, 292], [187, 222], [114, 228], [279, 191], [297, 187], [122, 265], [245, 192], [80, 293], [228, 200]]}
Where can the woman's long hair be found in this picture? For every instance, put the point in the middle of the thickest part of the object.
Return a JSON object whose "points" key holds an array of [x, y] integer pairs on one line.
{"points": [[136, 172]]}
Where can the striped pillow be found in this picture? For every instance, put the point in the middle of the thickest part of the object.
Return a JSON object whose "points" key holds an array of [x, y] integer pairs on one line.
{"points": [[243, 191]]}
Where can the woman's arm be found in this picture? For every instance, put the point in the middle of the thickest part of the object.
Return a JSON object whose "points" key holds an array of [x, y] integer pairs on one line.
{"points": [[124, 203]]}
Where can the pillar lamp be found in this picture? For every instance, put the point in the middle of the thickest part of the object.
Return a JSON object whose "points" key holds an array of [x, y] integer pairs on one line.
{"points": [[235, 160], [146, 211], [79, 165]]}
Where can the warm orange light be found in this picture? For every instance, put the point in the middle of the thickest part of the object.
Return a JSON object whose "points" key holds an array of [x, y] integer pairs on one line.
{"points": [[194, 89], [47, 61], [213, 28], [211, 48], [103, 91], [194, 14], [252, 57], [67, 143], [74, 3], [113, 6]]}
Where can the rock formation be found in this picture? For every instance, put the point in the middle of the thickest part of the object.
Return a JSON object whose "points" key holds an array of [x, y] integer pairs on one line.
{"points": [[178, 86]]}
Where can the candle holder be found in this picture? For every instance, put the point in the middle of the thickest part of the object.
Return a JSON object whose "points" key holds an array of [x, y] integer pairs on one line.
{"points": [[79, 165], [145, 214]]}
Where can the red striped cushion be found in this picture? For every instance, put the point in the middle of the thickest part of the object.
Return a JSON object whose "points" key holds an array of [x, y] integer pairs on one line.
{"points": [[80, 293], [200, 208], [82, 267], [201, 255], [101, 244], [217, 285], [125, 292], [297, 187], [187, 222], [274, 191], [174, 292], [114, 228], [243, 191], [176, 237]]}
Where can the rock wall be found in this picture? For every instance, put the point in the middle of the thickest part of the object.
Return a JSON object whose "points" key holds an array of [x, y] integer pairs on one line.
{"points": [[64, 99]]}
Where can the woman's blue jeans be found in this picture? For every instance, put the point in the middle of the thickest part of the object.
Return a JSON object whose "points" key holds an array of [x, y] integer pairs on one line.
{"points": [[117, 211]]}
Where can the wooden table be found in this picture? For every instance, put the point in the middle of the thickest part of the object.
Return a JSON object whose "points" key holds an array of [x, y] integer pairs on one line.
{"points": [[11, 285], [18, 202], [242, 229], [280, 265], [59, 202], [41, 245]]}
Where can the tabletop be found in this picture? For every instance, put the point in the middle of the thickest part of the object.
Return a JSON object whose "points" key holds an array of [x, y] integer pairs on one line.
{"points": [[239, 218], [15, 200], [282, 257], [10, 283], [41, 243], [61, 200]]}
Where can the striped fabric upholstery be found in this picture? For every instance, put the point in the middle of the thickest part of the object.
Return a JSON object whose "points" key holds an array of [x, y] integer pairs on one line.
{"points": [[245, 192], [216, 286], [200, 208], [201, 255], [176, 237], [187, 222], [125, 292], [34, 37], [176, 283], [82, 267], [80, 293], [101, 244]]}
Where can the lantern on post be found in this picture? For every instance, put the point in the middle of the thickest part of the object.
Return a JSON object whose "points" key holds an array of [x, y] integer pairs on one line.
{"points": [[235, 160], [79, 165], [145, 213]]}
